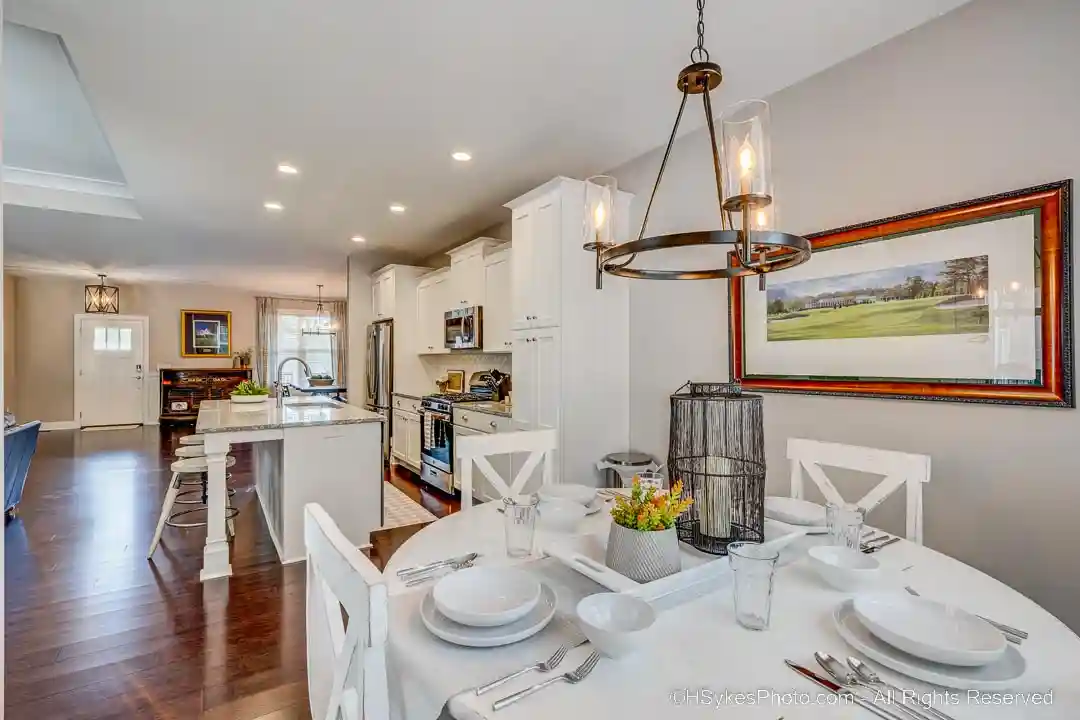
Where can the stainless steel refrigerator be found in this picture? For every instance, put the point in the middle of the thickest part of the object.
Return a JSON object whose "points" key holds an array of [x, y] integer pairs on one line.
{"points": [[380, 376]]}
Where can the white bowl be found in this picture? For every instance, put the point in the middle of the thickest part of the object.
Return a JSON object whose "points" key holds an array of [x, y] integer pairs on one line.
{"points": [[486, 596], [843, 568], [246, 399], [581, 494], [616, 624], [930, 630], [561, 515]]}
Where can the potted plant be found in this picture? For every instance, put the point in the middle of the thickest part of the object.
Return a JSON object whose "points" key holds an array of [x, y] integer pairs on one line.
{"points": [[320, 380], [643, 544], [250, 392]]}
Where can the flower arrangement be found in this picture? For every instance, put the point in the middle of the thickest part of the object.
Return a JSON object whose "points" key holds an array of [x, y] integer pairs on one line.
{"points": [[650, 509]]}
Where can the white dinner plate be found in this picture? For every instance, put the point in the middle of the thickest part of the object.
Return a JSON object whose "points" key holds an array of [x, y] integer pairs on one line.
{"points": [[794, 511], [486, 596], [998, 675], [930, 630], [452, 632]]}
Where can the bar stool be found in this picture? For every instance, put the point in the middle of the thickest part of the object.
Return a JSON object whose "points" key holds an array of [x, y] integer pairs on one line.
{"points": [[196, 439], [187, 466]]}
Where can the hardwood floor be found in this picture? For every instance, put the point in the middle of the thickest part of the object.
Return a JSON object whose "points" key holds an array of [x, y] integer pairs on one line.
{"points": [[94, 630]]}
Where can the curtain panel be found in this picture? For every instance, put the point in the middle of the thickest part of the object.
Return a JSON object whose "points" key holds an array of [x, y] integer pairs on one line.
{"points": [[339, 320], [266, 328]]}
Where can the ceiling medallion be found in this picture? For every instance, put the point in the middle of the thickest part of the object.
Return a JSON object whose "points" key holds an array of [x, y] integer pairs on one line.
{"points": [[102, 298], [748, 215]]}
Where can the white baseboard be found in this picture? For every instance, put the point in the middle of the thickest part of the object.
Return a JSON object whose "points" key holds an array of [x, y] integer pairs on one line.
{"points": [[59, 425]]}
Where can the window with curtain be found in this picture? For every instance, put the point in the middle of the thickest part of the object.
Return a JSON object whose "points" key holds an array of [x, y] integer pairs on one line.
{"points": [[316, 350]]}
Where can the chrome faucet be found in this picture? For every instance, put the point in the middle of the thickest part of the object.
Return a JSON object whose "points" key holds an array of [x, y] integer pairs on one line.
{"points": [[282, 389]]}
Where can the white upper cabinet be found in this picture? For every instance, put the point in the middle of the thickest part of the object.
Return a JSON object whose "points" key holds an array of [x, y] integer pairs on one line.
{"points": [[467, 272], [383, 295], [431, 304], [536, 275], [497, 310]]}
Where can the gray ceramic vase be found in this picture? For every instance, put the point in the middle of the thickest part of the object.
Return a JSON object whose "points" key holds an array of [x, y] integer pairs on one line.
{"points": [[643, 555]]}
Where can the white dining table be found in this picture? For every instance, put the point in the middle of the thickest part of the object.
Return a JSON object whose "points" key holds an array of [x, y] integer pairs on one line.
{"points": [[701, 663]]}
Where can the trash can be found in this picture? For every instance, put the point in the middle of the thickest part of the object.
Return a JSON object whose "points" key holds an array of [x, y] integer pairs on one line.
{"points": [[620, 468]]}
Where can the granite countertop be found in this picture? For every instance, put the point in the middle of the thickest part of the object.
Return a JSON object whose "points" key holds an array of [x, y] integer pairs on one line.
{"points": [[488, 407], [217, 416], [407, 395]]}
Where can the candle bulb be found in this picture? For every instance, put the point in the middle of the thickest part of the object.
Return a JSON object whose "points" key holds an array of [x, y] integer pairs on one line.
{"points": [[746, 164]]}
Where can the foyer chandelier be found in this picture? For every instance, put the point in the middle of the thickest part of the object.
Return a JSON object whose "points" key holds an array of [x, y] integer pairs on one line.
{"points": [[102, 298], [741, 163]]}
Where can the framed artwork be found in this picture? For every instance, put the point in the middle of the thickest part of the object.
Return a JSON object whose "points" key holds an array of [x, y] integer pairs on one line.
{"points": [[455, 381], [970, 302], [206, 333]]}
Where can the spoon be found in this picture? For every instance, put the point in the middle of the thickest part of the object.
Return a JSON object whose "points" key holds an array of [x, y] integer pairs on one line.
{"points": [[840, 673], [866, 673]]}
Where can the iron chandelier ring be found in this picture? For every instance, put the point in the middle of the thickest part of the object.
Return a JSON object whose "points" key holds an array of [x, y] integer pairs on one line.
{"points": [[797, 252]]}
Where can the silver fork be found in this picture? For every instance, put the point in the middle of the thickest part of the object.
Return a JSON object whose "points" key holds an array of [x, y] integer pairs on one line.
{"points": [[413, 582], [546, 666], [1011, 634], [573, 677]]}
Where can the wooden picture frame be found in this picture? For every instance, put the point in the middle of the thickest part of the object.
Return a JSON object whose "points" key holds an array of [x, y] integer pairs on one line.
{"points": [[205, 333], [455, 381], [1039, 313]]}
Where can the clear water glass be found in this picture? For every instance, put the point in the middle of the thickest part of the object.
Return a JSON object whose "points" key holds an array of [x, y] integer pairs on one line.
{"points": [[845, 523], [754, 567], [520, 512]]}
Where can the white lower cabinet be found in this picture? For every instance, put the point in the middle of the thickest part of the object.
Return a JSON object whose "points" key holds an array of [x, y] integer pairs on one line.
{"points": [[405, 439], [412, 452], [537, 379]]}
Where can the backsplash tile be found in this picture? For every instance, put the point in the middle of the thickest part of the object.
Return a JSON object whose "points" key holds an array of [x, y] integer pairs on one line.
{"points": [[436, 365]]}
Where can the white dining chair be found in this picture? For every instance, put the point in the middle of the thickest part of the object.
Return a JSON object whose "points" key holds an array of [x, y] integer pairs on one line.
{"points": [[346, 664], [476, 449], [898, 470]]}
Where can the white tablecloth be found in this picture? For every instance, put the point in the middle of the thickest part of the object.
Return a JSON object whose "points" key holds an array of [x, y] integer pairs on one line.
{"points": [[702, 658]]}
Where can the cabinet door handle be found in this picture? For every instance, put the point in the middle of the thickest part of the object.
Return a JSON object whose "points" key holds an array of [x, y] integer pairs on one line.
{"points": [[493, 425], [464, 417]]}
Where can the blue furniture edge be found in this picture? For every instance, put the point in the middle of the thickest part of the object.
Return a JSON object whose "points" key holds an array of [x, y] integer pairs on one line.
{"points": [[20, 444]]}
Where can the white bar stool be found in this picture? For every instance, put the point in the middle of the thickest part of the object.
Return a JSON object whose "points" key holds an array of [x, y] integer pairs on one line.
{"points": [[196, 439], [180, 468]]}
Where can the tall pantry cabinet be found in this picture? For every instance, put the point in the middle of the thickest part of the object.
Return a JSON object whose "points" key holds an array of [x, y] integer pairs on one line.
{"points": [[570, 341]]}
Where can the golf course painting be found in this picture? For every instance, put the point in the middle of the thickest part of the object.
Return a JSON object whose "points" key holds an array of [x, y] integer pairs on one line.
{"points": [[945, 297]]}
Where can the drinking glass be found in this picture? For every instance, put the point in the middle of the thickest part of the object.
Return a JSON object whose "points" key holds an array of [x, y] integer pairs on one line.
{"points": [[845, 523], [520, 514], [753, 566]]}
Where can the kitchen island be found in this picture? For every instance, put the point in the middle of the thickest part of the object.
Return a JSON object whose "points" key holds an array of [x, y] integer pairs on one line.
{"points": [[307, 450]]}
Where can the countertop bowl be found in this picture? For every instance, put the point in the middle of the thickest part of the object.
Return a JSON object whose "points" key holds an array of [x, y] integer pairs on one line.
{"points": [[486, 596], [560, 515], [843, 568], [249, 399], [617, 625], [581, 494]]}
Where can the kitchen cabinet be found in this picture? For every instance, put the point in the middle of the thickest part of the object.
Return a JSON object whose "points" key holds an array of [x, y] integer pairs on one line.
{"points": [[497, 307], [466, 286], [405, 440], [399, 439], [535, 275], [431, 304], [571, 370], [383, 295], [412, 447]]}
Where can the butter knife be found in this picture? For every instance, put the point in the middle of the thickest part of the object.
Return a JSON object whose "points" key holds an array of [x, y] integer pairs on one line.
{"points": [[844, 692]]}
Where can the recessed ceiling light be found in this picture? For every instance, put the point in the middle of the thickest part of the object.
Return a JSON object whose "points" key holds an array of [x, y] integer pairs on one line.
{"points": [[397, 208], [273, 206], [287, 169], [359, 238], [462, 156]]}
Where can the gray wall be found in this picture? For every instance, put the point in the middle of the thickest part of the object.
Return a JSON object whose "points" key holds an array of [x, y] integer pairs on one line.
{"points": [[980, 101]]}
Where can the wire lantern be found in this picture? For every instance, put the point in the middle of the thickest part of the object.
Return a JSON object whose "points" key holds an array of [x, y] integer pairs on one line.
{"points": [[717, 450]]}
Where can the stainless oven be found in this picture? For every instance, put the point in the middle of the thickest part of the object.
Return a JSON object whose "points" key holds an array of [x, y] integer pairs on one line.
{"points": [[464, 328], [437, 444]]}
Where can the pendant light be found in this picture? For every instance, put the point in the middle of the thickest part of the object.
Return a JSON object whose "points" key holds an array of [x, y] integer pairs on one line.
{"points": [[322, 323], [102, 298], [746, 211]]}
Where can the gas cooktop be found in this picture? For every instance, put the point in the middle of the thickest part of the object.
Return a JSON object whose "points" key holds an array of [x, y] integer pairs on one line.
{"points": [[458, 397]]}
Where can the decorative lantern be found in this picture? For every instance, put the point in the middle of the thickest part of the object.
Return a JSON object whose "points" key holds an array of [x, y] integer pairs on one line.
{"points": [[102, 298], [599, 230], [717, 450]]}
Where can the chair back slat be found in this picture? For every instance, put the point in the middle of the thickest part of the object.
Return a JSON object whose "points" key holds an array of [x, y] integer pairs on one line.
{"points": [[346, 663], [476, 449]]}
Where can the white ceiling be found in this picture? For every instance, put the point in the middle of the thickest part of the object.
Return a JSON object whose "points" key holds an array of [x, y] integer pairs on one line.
{"points": [[201, 100]]}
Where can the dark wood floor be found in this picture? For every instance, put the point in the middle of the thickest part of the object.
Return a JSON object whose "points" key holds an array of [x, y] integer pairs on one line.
{"points": [[94, 630]]}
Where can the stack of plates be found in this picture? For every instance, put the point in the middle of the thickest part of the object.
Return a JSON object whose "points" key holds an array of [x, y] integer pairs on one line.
{"points": [[929, 641], [487, 607]]}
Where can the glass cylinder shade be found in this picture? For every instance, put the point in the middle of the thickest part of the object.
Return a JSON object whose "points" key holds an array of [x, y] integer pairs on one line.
{"points": [[747, 161], [599, 225]]}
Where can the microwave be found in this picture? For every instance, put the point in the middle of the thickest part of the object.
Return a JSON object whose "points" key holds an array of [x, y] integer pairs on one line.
{"points": [[463, 328]]}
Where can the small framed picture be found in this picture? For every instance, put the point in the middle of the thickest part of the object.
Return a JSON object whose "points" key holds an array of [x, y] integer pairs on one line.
{"points": [[206, 333], [455, 381]]}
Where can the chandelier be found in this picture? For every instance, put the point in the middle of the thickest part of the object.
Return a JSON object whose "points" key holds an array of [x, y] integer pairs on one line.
{"points": [[322, 322], [741, 163], [102, 298]]}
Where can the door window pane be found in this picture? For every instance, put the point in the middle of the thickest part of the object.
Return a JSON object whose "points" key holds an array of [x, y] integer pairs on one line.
{"points": [[99, 338], [125, 339], [112, 338]]}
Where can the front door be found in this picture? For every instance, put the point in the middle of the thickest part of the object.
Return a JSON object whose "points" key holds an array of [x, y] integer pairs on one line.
{"points": [[112, 353]]}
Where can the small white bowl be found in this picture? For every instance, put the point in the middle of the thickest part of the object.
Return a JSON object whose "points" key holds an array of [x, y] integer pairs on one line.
{"points": [[249, 399], [581, 494], [616, 624], [843, 568], [560, 515], [486, 596]]}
